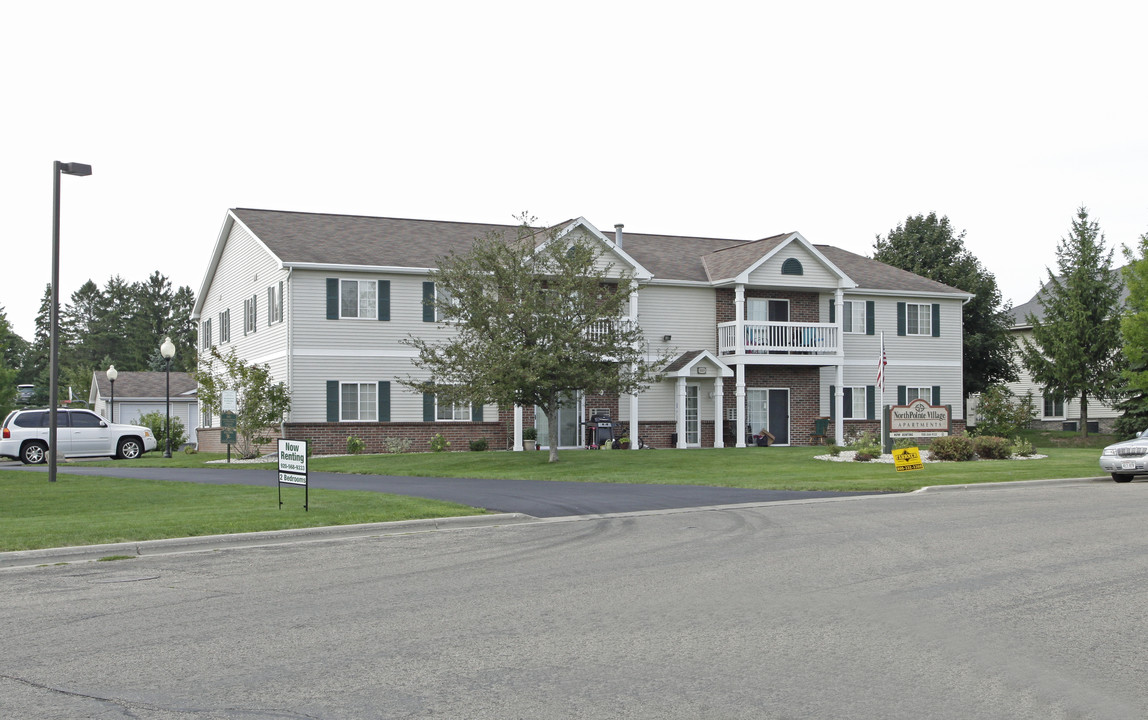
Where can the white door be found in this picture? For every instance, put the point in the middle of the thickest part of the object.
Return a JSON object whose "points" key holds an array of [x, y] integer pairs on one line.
{"points": [[693, 418]]}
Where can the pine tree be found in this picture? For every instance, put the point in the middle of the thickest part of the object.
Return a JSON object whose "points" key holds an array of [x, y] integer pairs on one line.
{"points": [[1075, 349], [1134, 329]]}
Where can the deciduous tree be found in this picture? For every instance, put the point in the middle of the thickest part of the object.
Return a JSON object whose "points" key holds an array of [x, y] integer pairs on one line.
{"points": [[532, 319], [262, 403]]}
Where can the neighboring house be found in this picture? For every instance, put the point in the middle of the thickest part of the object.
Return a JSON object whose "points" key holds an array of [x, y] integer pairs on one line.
{"points": [[1052, 412], [140, 393], [771, 333]]}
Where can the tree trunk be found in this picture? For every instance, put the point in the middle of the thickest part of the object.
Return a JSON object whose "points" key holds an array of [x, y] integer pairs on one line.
{"points": [[1084, 414], [552, 427]]}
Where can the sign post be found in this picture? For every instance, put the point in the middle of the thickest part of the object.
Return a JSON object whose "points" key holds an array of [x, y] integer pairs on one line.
{"points": [[228, 416], [293, 468]]}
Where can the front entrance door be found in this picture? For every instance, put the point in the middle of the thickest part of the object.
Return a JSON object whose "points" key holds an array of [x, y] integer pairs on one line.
{"points": [[769, 409], [569, 413]]}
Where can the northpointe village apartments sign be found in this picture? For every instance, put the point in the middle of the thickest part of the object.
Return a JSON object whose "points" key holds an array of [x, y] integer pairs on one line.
{"points": [[919, 419]]}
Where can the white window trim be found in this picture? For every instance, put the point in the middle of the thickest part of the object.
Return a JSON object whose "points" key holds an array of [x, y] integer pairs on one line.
{"points": [[855, 391], [927, 389], [205, 333], [466, 408], [766, 302], [275, 304], [250, 320], [924, 319], [854, 312], [358, 400], [1045, 398], [359, 298], [225, 326]]}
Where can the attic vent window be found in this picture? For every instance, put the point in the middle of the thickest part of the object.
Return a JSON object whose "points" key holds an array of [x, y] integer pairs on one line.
{"points": [[792, 266]]}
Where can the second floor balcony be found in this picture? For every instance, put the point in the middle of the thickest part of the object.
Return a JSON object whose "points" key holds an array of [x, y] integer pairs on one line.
{"points": [[778, 338]]}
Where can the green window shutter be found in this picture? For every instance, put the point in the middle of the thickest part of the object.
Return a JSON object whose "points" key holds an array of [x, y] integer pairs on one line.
{"points": [[332, 298], [832, 310], [901, 319], [384, 299], [832, 402], [869, 321], [936, 395], [901, 394], [254, 312], [384, 401], [476, 412], [282, 302], [332, 401], [428, 302], [936, 320], [870, 402], [428, 407], [270, 305]]}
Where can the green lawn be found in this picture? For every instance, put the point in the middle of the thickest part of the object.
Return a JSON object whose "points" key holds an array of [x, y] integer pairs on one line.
{"points": [[86, 510]]}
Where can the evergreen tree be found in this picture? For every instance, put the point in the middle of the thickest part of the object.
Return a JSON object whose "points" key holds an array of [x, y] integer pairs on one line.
{"points": [[1134, 329], [8, 371], [927, 246], [1075, 349]]}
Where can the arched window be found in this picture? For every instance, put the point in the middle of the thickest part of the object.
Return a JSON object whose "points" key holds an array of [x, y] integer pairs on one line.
{"points": [[792, 266]]}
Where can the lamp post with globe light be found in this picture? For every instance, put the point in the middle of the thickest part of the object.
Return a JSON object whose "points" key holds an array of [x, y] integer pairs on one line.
{"points": [[168, 352], [112, 375]]}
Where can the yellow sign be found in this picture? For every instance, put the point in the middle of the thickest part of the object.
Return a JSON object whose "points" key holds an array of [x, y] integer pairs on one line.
{"points": [[908, 459]]}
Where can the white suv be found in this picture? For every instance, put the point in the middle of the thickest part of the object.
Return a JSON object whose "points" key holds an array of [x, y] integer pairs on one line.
{"points": [[81, 433]]}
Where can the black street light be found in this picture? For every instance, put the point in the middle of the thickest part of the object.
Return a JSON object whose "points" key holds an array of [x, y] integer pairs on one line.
{"points": [[58, 168], [112, 375], [168, 352]]}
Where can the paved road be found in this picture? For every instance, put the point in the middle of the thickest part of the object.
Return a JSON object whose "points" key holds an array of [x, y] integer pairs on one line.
{"points": [[530, 497], [1021, 603]]}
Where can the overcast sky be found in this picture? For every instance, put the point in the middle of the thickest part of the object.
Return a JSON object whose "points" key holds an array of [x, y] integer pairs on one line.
{"points": [[737, 120]]}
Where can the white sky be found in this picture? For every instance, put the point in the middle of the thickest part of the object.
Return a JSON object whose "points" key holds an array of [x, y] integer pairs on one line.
{"points": [[741, 120]]}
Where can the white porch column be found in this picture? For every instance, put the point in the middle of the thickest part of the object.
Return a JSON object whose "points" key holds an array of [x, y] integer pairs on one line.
{"points": [[719, 414], [739, 318], [839, 401], [680, 412], [739, 394], [517, 428]]}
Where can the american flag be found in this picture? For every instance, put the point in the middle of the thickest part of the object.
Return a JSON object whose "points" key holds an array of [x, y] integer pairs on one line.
{"points": [[881, 363]]}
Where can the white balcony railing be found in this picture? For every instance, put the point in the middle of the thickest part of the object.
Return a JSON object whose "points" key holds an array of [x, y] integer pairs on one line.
{"points": [[759, 337]]}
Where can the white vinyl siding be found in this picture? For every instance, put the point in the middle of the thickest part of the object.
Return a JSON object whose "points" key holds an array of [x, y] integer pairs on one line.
{"points": [[686, 314], [815, 275]]}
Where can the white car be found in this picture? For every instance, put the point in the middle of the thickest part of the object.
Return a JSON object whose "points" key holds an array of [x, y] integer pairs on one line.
{"points": [[1126, 459], [80, 433]]}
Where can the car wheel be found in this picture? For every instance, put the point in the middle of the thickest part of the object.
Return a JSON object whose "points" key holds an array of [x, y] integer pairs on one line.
{"points": [[33, 453], [1121, 478], [129, 449]]}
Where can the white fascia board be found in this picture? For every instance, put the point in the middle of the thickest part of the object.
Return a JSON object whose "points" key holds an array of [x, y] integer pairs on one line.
{"points": [[336, 267], [723, 369], [158, 399], [640, 273], [843, 280], [963, 297], [229, 221], [681, 283]]}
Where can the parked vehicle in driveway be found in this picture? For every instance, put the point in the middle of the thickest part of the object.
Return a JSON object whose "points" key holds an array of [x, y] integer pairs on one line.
{"points": [[80, 433], [1127, 459]]}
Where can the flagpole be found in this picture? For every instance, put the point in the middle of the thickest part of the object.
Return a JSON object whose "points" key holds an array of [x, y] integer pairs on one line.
{"points": [[881, 386]]}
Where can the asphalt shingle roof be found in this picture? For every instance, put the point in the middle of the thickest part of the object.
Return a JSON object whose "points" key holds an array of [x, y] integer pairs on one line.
{"points": [[296, 237], [145, 384]]}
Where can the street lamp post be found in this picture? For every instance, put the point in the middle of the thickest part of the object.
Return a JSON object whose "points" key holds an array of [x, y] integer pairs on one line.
{"points": [[58, 168], [168, 352], [112, 375]]}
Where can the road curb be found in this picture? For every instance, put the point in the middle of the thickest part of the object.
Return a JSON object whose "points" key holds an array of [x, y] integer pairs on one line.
{"points": [[209, 543], [1009, 484]]}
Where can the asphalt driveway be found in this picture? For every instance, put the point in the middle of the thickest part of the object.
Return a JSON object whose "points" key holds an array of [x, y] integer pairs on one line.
{"points": [[538, 498]]}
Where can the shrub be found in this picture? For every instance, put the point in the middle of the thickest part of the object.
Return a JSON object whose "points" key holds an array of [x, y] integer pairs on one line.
{"points": [[397, 446], [190, 450], [867, 443], [529, 433], [478, 445], [835, 450], [1001, 413], [988, 447], [952, 447], [156, 422], [1022, 447], [355, 445], [864, 456], [438, 443]]}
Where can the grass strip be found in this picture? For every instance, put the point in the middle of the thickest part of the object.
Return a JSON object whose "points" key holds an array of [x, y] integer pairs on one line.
{"points": [[90, 510]]}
